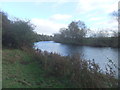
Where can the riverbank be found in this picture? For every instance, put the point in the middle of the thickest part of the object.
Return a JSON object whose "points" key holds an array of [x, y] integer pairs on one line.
{"points": [[93, 42], [35, 69]]}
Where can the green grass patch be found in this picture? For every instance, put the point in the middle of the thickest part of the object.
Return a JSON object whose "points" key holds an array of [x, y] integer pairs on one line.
{"points": [[20, 70]]}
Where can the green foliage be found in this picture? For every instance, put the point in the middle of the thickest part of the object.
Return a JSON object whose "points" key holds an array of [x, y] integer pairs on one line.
{"points": [[76, 34], [76, 31], [17, 33]]}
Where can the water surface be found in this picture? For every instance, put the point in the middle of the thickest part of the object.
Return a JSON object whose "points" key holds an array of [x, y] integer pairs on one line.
{"points": [[101, 55]]}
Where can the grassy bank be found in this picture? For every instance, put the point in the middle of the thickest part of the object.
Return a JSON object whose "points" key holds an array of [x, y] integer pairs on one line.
{"points": [[20, 70], [35, 69]]}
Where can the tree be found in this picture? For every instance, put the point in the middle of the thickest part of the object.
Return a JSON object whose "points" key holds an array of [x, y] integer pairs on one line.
{"points": [[77, 30], [75, 33], [116, 14], [7, 39], [16, 34], [23, 33], [74, 29]]}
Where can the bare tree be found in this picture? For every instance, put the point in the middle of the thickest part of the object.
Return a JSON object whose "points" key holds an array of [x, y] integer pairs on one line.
{"points": [[116, 15]]}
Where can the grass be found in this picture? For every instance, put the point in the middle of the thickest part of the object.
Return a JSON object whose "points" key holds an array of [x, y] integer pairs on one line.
{"points": [[30, 68], [21, 71]]}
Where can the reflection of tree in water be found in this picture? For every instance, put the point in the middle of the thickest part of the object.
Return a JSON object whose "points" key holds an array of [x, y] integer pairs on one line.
{"points": [[73, 50]]}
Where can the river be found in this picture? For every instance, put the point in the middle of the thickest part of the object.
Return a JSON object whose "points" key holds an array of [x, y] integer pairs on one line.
{"points": [[101, 55]]}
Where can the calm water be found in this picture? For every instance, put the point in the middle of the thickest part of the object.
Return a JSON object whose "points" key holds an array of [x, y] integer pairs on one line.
{"points": [[100, 55]]}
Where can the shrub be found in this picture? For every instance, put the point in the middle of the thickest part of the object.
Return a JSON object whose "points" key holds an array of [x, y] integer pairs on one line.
{"points": [[16, 34], [81, 73]]}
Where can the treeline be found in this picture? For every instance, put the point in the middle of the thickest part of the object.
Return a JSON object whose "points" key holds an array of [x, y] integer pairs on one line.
{"points": [[41, 37], [78, 33], [19, 33], [70, 69]]}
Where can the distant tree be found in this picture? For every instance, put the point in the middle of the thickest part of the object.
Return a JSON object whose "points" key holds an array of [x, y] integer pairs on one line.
{"points": [[116, 15], [64, 33], [102, 34], [41, 37], [74, 29], [115, 33], [75, 32]]}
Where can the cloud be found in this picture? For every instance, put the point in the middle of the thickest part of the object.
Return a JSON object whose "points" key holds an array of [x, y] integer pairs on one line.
{"points": [[51, 25], [92, 12], [96, 5], [97, 13], [96, 18], [61, 17], [107, 25], [58, 1], [44, 26]]}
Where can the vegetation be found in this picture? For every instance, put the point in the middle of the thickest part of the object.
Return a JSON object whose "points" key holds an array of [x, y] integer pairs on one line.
{"points": [[28, 68], [36, 69], [76, 33], [44, 38], [19, 33], [20, 70]]}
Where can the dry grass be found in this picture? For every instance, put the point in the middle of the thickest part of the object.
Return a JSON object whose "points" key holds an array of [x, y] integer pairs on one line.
{"points": [[81, 73]]}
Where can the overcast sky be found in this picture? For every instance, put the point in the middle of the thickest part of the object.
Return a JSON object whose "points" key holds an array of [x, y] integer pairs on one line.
{"points": [[51, 15]]}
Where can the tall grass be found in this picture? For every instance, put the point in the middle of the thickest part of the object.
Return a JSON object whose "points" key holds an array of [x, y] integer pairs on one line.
{"points": [[81, 73]]}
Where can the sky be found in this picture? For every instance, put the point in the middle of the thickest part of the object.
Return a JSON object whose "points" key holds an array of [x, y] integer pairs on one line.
{"points": [[50, 15]]}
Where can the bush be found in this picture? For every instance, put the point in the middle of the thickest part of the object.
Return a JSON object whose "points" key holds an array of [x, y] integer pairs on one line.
{"points": [[81, 73], [16, 34]]}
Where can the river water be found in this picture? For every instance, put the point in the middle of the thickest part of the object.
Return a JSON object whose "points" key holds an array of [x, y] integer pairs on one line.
{"points": [[101, 55]]}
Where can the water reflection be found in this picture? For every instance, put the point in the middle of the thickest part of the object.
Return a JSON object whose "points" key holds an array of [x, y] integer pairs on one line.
{"points": [[100, 55], [72, 49]]}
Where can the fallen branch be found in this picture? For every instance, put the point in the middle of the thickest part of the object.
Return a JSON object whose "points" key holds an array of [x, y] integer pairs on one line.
{"points": [[24, 82]]}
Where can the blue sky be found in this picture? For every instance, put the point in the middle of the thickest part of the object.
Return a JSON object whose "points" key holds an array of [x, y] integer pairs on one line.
{"points": [[49, 17]]}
